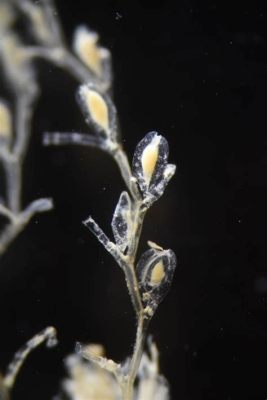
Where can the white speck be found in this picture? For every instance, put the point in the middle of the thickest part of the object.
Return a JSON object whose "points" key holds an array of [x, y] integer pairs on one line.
{"points": [[118, 16]]}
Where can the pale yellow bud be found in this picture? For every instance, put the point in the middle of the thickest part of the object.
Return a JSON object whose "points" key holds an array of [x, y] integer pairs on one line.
{"points": [[5, 121], [148, 311], [150, 158], [94, 350], [96, 106], [85, 46], [111, 366], [154, 245], [157, 274]]}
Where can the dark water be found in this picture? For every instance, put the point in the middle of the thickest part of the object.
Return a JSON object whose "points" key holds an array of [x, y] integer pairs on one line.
{"points": [[197, 73]]}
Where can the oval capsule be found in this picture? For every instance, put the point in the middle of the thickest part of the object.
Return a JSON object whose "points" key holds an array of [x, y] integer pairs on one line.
{"points": [[155, 271]]}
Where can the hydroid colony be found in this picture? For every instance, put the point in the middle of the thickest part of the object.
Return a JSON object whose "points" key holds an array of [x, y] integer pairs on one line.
{"points": [[92, 375]]}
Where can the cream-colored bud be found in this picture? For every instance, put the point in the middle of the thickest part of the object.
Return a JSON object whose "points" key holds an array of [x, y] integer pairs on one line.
{"points": [[154, 245], [5, 121], [157, 273], [94, 350], [85, 46], [150, 158], [148, 311], [97, 107], [111, 366]]}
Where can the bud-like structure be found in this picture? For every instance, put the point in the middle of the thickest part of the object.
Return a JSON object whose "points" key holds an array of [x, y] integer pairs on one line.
{"points": [[155, 271], [149, 158], [88, 381], [150, 166], [122, 221], [94, 350], [97, 107], [86, 47], [99, 111]]}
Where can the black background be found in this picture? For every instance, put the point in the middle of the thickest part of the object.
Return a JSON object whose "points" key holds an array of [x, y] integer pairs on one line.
{"points": [[196, 72]]}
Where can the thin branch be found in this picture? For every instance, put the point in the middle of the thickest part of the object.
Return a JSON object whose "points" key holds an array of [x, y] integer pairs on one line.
{"points": [[7, 213], [127, 387], [102, 362], [37, 206], [19, 221], [51, 16], [63, 58], [121, 260], [126, 173], [13, 170], [83, 139], [8, 234], [104, 240], [48, 335], [23, 116], [70, 138]]}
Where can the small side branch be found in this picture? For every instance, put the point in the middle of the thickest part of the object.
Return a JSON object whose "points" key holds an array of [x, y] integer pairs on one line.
{"points": [[123, 163], [104, 240], [7, 213], [62, 58], [122, 262], [70, 138], [8, 234], [48, 335], [23, 117], [17, 222], [83, 139], [102, 362]]}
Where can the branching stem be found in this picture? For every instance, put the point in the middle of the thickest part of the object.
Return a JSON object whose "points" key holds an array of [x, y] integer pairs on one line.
{"points": [[63, 58], [128, 386]]}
